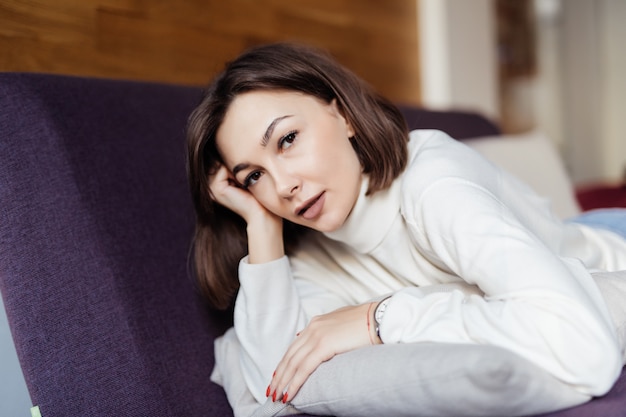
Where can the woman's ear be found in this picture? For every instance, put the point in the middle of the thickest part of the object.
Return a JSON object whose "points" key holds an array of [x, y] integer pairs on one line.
{"points": [[339, 111]]}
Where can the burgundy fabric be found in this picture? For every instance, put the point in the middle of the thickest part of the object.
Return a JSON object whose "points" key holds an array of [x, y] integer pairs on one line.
{"points": [[95, 227], [601, 196]]}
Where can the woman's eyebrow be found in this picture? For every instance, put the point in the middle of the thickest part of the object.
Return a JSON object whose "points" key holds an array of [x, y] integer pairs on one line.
{"points": [[239, 167], [270, 129], [266, 137]]}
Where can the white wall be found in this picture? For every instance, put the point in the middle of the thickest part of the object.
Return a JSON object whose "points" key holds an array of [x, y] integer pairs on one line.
{"points": [[613, 97], [458, 55], [547, 108], [579, 95], [580, 75], [581, 88]]}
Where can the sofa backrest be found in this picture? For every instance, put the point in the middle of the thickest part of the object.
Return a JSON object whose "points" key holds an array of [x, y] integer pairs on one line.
{"points": [[95, 229], [460, 125]]}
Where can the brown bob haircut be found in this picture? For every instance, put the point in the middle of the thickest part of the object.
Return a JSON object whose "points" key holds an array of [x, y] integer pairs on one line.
{"points": [[380, 141]]}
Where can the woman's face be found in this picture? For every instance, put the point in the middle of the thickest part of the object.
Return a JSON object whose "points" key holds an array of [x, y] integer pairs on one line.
{"points": [[292, 152]]}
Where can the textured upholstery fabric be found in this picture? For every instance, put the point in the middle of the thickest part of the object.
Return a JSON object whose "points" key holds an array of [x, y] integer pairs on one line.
{"points": [[459, 125], [95, 228], [95, 225]]}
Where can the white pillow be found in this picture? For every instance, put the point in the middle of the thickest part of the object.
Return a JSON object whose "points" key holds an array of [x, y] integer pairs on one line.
{"points": [[533, 158]]}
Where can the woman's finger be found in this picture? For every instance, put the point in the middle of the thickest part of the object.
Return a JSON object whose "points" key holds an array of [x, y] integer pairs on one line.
{"points": [[219, 182], [288, 365], [324, 337], [300, 368], [226, 192]]}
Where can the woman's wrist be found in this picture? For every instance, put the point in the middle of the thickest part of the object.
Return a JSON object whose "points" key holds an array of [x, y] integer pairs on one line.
{"points": [[265, 239], [371, 324], [379, 312], [375, 313]]}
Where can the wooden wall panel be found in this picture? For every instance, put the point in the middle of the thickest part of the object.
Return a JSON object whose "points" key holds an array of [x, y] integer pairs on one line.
{"points": [[188, 41]]}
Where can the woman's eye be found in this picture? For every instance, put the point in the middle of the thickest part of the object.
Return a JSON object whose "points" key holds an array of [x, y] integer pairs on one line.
{"points": [[287, 140], [251, 179]]}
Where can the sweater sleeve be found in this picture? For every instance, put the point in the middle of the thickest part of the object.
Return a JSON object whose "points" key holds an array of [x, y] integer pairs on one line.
{"points": [[543, 307], [271, 307]]}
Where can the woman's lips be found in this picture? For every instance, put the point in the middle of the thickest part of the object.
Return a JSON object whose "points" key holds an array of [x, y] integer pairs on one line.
{"points": [[313, 208]]}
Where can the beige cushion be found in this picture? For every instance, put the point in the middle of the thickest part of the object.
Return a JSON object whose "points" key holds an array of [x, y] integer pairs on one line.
{"points": [[533, 158]]}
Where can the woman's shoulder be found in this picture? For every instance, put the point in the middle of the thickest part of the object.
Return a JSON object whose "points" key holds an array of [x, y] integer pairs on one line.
{"points": [[437, 161], [434, 155], [436, 146]]}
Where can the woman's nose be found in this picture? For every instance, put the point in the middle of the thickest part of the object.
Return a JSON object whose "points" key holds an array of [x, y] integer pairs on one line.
{"points": [[286, 183], [287, 189]]}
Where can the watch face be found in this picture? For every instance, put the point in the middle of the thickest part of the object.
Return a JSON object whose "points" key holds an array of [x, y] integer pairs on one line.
{"points": [[380, 310]]}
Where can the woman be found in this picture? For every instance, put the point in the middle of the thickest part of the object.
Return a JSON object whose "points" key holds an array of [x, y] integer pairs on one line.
{"points": [[292, 155]]}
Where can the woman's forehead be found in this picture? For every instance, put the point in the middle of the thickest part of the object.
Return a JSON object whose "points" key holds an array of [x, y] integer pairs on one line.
{"points": [[252, 113], [264, 99], [249, 120]]}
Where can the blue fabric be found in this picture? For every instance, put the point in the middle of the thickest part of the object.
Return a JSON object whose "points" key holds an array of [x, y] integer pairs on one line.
{"points": [[613, 219]]}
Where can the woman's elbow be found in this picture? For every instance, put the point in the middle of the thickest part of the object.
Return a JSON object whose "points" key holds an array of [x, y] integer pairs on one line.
{"points": [[597, 367]]}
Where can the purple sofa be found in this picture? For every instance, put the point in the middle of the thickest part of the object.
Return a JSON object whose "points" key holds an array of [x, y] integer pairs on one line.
{"points": [[95, 229]]}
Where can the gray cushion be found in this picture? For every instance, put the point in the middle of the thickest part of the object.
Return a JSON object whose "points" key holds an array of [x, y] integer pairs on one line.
{"points": [[432, 380]]}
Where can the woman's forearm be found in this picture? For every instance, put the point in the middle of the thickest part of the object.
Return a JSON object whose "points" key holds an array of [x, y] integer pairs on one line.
{"points": [[267, 317], [265, 239]]}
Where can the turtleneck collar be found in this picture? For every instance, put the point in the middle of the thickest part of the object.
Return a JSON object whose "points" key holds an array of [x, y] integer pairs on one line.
{"points": [[370, 219]]}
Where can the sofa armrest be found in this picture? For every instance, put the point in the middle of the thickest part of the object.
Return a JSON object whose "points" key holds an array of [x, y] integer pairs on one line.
{"points": [[95, 228]]}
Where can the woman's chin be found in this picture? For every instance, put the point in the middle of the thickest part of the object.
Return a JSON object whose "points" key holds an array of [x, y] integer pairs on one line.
{"points": [[324, 225]]}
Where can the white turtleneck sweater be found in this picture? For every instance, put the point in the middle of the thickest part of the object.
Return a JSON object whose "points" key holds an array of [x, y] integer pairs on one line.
{"points": [[450, 218]]}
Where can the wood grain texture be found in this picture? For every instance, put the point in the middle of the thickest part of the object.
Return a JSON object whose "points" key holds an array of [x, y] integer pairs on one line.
{"points": [[187, 42]]}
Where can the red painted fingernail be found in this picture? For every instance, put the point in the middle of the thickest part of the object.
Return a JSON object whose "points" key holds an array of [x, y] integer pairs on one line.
{"points": [[274, 396], [285, 398], [267, 392], [297, 334], [274, 374]]}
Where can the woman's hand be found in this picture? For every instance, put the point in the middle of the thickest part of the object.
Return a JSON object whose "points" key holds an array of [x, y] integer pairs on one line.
{"points": [[265, 229], [342, 330], [225, 190]]}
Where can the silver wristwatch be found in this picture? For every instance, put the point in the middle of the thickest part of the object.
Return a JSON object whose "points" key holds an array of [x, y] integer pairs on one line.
{"points": [[379, 312]]}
